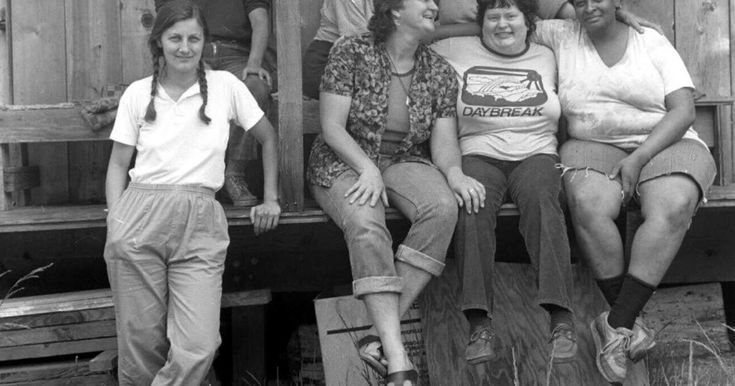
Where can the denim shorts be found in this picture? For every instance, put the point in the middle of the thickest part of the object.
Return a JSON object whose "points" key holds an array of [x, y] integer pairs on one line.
{"points": [[687, 156]]}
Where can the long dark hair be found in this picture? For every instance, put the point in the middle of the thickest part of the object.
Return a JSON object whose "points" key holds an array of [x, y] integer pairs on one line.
{"points": [[529, 8], [382, 24], [169, 14]]}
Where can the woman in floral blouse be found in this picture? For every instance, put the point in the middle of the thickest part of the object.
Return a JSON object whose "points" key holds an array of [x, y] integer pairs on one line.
{"points": [[389, 137]]}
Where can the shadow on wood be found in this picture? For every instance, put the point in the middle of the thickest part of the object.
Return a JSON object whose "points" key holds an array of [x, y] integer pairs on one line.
{"points": [[522, 329]]}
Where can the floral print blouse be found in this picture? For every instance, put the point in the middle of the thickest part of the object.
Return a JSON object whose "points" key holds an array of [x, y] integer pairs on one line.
{"points": [[359, 68]]}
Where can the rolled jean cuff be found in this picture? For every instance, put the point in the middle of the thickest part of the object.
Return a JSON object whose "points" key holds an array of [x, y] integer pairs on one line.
{"points": [[419, 260], [376, 284]]}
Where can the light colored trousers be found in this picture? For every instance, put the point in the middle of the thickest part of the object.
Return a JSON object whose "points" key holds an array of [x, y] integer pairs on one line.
{"points": [[165, 253]]}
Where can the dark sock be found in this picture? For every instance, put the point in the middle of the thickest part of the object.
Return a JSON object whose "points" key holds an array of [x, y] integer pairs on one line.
{"points": [[478, 319], [558, 315], [610, 287], [633, 297]]}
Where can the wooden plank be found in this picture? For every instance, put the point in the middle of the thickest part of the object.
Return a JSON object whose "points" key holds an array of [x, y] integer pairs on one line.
{"points": [[94, 57], [38, 58], [64, 333], [48, 372], [57, 318], [36, 28], [290, 120], [246, 298], [84, 380], [104, 361], [660, 12], [44, 304], [20, 178], [522, 333], [94, 61], [63, 124], [6, 91], [41, 218], [136, 21], [6, 198], [703, 41], [88, 171], [55, 349]]}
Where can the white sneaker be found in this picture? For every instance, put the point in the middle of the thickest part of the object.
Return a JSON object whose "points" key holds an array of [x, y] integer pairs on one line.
{"points": [[611, 349], [642, 341]]}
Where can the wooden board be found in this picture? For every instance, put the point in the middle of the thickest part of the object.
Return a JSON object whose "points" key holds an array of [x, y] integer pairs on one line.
{"points": [[64, 333], [290, 120], [6, 92], [36, 29], [57, 319], [63, 124], [703, 41], [49, 372], [44, 304], [660, 12], [94, 60], [45, 350], [522, 329], [136, 21], [84, 380]]}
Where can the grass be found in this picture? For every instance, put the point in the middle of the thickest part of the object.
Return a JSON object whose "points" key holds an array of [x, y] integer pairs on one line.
{"points": [[18, 287]]}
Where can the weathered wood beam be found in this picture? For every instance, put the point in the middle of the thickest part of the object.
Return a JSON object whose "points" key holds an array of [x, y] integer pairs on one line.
{"points": [[290, 120]]}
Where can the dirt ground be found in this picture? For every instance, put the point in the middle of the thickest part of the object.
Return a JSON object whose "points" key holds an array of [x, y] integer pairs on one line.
{"points": [[692, 346]]}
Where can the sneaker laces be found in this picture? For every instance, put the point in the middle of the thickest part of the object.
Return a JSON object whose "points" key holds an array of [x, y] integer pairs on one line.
{"points": [[619, 343], [563, 330], [487, 334]]}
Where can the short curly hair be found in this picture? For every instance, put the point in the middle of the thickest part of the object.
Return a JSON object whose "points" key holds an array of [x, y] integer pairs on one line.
{"points": [[529, 8], [382, 24]]}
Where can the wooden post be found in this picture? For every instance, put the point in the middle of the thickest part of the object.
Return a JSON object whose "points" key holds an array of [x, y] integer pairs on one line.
{"points": [[94, 60], [290, 120], [39, 68]]}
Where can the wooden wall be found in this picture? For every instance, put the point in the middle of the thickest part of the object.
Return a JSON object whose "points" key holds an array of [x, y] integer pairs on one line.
{"points": [[45, 58], [67, 50]]}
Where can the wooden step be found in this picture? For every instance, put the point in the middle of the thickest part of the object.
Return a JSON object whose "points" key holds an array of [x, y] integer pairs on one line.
{"points": [[44, 218]]}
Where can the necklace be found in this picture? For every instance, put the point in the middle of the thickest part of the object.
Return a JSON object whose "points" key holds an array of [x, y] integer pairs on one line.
{"points": [[400, 76]]}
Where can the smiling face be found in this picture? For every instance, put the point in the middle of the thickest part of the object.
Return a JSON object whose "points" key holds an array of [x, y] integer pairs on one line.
{"points": [[596, 15], [182, 46], [417, 15], [504, 30]]}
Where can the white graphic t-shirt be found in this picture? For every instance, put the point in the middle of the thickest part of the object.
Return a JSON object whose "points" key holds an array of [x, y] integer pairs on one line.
{"points": [[507, 107], [621, 104]]}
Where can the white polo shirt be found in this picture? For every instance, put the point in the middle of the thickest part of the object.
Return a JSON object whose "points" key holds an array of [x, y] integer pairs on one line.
{"points": [[179, 148]]}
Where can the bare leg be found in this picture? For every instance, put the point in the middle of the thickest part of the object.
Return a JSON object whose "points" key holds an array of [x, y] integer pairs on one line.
{"points": [[594, 202], [667, 206], [383, 310], [414, 280]]}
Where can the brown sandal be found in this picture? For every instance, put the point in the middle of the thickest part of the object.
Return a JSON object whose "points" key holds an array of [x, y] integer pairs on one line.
{"points": [[372, 361]]}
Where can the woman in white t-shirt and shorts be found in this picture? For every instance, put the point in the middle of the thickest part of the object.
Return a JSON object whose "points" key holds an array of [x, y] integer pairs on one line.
{"points": [[628, 100]]}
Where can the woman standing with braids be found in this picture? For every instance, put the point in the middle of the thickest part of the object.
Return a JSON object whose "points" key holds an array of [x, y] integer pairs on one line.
{"points": [[167, 235]]}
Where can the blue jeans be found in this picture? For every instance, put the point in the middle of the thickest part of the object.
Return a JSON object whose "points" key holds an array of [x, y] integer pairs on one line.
{"points": [[534, 184], [420, 192], [232, 57]]}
